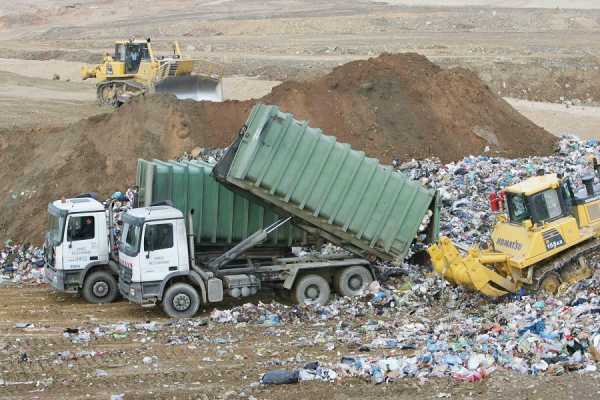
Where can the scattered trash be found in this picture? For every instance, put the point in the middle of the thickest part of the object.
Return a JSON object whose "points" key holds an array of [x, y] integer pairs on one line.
{"points": [[208, 155], [100, 373], [21, 264], [280, 377], [464, 185]]}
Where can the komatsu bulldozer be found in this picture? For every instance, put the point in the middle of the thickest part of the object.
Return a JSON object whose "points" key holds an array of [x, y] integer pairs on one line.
{"points": [[542, 240], [134, 69]]}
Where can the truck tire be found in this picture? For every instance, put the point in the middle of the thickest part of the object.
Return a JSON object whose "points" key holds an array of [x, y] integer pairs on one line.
{"points": [[100, 287], [312, 289], [181, 301], [352, 281]]}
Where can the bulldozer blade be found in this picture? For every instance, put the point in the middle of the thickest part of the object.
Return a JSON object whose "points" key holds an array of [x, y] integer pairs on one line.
{"points": [[194, 87], [467, 270]]}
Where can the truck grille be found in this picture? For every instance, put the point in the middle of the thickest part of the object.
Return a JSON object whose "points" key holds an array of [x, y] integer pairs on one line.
{"points": [[124, 274]]}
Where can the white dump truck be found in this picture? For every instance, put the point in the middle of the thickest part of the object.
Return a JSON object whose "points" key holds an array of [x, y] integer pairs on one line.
{"points": [[77, 250], [204, 233]]}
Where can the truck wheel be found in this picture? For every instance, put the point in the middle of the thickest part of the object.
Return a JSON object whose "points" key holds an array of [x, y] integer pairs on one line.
{"points": [[181, 301], [100, 287], [312, 289], [351, 281]]}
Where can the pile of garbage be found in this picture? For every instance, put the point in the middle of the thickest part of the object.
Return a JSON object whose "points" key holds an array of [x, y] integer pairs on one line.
{"points": [[433, 330], [211, 156], [119, 204], [21, 263], [525, 335], [464, 185]]}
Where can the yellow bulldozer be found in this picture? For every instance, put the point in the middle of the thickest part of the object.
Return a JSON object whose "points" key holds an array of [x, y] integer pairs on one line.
{"points": [[544, 234], [134, 69]]}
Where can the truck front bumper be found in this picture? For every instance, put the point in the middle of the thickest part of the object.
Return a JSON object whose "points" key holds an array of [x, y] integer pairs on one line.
{"points": [[132, 291], [63, 281]]}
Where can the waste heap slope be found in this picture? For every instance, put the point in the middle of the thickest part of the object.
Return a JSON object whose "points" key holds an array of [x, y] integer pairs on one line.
{"points": [[99, 155]]}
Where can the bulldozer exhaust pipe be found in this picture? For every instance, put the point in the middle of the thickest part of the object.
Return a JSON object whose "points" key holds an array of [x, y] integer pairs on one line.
{"points": [[588, 181]]}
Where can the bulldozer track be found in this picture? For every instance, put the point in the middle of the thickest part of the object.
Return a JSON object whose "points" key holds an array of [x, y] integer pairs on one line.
{"points": [[124, 86], [563, 259]]}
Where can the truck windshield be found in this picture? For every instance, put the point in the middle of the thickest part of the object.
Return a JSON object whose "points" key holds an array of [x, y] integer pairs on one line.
{"points": [[516, 208], [56, 226], [130, 244]]}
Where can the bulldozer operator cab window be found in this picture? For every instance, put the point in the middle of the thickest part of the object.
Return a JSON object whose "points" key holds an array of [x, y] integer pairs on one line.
{"points": [[545, 206], [517, 209], [134, 54], [119, 52], [80, 228], [158, 237]]}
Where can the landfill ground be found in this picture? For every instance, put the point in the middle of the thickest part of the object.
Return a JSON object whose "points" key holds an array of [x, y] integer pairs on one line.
{"points": [[201, 370], [542, 55], [543, 61]]}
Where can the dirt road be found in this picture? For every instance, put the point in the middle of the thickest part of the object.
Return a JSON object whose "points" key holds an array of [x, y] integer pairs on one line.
{"points": [[582, 121]]}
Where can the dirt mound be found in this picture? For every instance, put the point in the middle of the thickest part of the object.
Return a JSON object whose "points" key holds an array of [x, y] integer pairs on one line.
{"points": [[99, 154], [405, 106], [391, 106]]}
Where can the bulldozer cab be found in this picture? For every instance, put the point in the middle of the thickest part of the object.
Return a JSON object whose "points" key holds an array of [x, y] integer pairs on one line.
{"points": [[132, 54], [538, 200]]}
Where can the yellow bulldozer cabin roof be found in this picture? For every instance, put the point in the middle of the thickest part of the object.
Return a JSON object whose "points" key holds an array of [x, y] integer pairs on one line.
{"points": [[534, 185]]}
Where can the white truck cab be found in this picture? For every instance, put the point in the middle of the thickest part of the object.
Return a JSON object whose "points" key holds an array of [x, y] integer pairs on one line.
{"points": [[153, 253], [77, 250], [162, 252]]}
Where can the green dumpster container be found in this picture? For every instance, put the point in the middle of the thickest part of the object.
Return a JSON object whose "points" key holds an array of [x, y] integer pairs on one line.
{"points": [[221, 217], [330, 189]]}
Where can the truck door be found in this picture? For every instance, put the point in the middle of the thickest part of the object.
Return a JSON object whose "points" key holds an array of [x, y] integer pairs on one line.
{"points": [[81, 241], [159, 251]]}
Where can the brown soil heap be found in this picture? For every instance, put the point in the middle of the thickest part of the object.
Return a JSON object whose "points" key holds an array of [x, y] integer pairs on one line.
{"points": [[392, 106], [407, 107]]}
